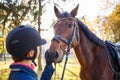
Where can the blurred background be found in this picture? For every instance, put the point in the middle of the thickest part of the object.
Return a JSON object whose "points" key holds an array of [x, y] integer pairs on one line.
{"points": [[101, 16]]}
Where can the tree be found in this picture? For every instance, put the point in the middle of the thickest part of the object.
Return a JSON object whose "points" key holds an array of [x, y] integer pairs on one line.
{"points": [[39, 29], [112, 25], [108, 24], [15, 12]]}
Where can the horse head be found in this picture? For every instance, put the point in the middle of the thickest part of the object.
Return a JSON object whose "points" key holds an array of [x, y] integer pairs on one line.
{"points": [[66, 34]]}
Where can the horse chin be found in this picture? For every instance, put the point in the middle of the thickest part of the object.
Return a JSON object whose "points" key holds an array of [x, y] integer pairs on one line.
{"points": [[58, 61], [59, 58]]}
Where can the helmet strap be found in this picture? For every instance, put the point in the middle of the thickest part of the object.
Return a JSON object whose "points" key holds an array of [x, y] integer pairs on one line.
{"points": [[31, 58], [34, 56]]}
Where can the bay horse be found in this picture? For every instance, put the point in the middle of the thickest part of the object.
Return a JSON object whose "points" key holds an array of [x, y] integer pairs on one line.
{"points": [[90, 51]]}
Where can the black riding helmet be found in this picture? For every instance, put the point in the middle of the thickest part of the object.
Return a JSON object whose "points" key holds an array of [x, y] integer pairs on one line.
{"points": [[21, 40]]}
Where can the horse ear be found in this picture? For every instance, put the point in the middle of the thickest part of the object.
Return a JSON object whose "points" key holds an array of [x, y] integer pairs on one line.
{"points": [[57, 12], [74, 11]]}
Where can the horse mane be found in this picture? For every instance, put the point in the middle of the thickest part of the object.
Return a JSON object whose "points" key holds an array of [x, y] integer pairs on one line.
{"points": [[90, 35], [64, 15]]}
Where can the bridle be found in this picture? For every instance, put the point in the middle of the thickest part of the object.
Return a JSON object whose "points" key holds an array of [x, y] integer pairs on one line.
{"points": [[68, 42]]}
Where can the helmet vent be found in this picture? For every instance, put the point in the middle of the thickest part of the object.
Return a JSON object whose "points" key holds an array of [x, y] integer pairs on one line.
{"points": [[14, 41]]}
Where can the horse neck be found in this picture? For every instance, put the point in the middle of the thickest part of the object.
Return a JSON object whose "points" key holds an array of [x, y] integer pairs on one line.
{"points": [[93, 59], [86, 51]]}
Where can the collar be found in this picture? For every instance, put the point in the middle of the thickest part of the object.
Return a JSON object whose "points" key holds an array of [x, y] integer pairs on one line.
{"points": [[32, 66]]}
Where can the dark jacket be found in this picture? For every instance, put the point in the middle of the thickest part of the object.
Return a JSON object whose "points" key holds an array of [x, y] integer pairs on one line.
{"points": [[21, 72]]}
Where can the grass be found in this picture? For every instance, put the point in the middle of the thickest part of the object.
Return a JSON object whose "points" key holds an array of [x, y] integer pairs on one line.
{"points": [[4, 69], [71, 72]]}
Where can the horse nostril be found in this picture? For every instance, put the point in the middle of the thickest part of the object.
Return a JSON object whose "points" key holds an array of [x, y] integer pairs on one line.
{"points": [[56, 54]]}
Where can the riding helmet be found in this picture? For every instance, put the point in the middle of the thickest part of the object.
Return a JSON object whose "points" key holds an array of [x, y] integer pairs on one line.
{"points": [[22, 39]]}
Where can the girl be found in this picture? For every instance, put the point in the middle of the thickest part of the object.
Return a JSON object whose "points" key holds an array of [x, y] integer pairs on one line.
{"points": [[23, 44]]}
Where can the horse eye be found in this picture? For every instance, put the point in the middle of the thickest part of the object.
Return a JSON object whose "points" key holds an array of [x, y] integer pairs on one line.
{"points": [[70, 25]]}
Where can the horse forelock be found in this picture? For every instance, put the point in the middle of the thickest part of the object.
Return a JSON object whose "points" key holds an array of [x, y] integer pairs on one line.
{"points": [[65, 15], [90, 35]]}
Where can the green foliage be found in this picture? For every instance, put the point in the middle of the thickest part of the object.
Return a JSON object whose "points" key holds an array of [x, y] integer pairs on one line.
{"points": [[36, 13], [13, 12]]}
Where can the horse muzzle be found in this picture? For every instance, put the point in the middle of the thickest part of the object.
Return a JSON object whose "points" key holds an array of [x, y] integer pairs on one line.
{"points": [[55, 56]]}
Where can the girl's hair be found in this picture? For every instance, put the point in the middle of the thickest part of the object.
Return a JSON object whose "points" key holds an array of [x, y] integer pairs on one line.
{"points": [[16, 59]]}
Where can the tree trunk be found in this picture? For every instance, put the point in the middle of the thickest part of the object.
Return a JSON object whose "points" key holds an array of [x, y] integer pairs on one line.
{"points": [[39, 29]]}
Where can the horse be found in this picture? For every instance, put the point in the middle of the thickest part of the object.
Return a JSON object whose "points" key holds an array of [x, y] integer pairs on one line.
{"points": [[91, 51]]}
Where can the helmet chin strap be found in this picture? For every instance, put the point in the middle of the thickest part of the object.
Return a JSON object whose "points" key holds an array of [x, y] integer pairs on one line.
{"points": [[34, 56], [34, 62], [31, 58]]}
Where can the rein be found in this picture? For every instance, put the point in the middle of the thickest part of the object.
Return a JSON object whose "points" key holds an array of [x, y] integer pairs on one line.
{"points": [[68, 42]]}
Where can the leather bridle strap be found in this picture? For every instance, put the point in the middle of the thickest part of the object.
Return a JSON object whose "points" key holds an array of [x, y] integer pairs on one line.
{"points": [[58, 38], [68, 49]]}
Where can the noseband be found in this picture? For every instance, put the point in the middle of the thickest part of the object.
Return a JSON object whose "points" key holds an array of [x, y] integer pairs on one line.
{"points": [[68, 42]]}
